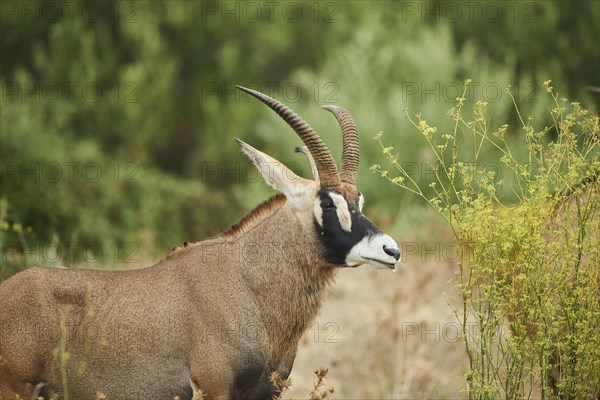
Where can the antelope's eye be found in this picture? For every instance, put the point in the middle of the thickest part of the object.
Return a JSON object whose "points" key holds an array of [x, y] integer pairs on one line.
{"points": [[327, 205]]}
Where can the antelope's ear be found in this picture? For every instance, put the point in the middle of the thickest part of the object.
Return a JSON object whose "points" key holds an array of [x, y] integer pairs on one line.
{"points": [[311, 160], [281, 178]]}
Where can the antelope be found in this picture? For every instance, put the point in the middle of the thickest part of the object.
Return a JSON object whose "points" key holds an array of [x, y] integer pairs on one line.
{"points": [[219, 315]]}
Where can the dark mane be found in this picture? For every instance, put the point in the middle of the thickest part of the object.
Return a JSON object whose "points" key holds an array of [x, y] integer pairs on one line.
{"points": [[257, 214]]}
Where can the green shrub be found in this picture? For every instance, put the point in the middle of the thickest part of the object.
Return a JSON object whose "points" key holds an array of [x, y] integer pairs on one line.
{"points": [[529, 270], [65, 202]]}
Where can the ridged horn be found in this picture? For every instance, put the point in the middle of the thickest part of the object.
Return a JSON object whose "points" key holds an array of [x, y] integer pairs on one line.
{"points": [[328, 174], [351, 150]]}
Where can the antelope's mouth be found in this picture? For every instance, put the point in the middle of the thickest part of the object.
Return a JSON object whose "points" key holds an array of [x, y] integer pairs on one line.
{"points": [[381, 264], [380, 251]]}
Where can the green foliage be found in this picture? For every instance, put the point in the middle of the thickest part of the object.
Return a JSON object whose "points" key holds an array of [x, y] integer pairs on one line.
{"points": [[537, 31], [148, 89], [67, 197], [529, 272]]}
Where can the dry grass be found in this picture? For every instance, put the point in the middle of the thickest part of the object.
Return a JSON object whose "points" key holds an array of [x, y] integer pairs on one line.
{"points": [[318, 392], [396, 336]]}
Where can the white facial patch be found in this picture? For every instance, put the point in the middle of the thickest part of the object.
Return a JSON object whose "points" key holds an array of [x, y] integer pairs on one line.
{"points": [[370, 250], [361, 201], [318, 211], [343, 213]]}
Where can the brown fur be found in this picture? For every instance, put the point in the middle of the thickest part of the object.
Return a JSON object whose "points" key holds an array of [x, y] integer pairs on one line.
{"points": [[223, 313]]}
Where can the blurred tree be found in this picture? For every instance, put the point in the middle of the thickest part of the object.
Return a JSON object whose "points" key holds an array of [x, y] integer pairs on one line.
{"points": [[555, 40]]}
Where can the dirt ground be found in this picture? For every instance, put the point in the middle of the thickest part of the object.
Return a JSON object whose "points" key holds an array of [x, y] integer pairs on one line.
{"points": [[386, 335]]}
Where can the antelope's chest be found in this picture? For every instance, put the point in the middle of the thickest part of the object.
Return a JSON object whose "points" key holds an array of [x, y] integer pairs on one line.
{"points": [[256, 383]]}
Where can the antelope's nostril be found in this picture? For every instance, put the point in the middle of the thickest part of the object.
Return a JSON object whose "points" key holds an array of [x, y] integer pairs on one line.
{"points": [[392, 252]]}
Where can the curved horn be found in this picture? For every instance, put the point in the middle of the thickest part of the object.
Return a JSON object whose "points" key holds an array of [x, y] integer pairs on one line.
{"points": [[328, 174], [351, 150]]}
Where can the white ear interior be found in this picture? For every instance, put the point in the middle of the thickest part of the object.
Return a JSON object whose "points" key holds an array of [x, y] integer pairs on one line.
{"points": [[297, 189], [361, 201]]}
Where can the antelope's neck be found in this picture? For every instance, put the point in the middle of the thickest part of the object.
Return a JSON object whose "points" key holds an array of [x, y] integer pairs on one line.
{"points": [[280, 265]]}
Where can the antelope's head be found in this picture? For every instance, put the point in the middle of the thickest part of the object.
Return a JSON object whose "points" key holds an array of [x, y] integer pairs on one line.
{"points": [[332, 201]]}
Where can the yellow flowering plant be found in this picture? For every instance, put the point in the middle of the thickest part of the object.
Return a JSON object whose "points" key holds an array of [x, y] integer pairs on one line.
{"points": [[528, 234]]}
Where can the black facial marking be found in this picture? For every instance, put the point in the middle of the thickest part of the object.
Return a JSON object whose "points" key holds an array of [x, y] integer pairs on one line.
{"points": [[337, 242], [327, 204]]}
